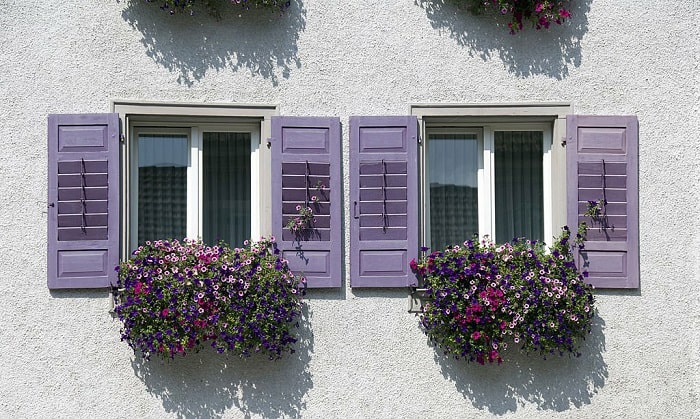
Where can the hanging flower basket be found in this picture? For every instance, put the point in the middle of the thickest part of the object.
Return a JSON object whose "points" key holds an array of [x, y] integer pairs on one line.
{"points": [[537, 13], [188, 6], [483, 298], [177, 296]]}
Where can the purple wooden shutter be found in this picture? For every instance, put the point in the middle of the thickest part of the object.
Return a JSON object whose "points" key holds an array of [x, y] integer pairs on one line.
{"points": [[602, 164], [83, 212], [306, 164], [384, 200]]}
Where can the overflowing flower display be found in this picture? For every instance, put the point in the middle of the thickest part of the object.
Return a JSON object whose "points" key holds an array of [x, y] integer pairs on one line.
{"points": [[540, 13], [176, 296], [483, 297], [187, 6]]}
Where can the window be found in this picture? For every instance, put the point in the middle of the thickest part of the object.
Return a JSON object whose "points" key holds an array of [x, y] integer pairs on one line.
{"points": [[194, 171], [491, 171], [486, 180], [195, 181]]}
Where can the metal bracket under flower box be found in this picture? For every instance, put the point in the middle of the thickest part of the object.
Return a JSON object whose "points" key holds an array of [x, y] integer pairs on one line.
{"points": [[416, 299], [113, 294]]}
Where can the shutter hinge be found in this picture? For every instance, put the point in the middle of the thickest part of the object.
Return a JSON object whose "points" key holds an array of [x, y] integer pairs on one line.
{"points": [[420, 140], [563, 141], [269, 143], [121, 137]]}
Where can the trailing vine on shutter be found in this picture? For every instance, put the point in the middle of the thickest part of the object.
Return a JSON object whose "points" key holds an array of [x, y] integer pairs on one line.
{"points": [[306, 174], [384, 200], [602, 167], [83, 200]]}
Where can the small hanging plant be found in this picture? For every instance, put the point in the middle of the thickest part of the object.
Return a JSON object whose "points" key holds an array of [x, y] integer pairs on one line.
{"points": [[302, 224], [188, 6], [484, 297], [539, 13], [174, 297], [303, 221], [596, 211]]}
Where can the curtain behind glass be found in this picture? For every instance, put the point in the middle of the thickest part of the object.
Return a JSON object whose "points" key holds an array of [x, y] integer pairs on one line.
{"points": [[452, 177], [226, 183], [519, 189], [162, 189]]}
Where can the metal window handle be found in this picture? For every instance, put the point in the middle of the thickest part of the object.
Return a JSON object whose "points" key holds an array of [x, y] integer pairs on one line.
{"points": [[354, 211]]}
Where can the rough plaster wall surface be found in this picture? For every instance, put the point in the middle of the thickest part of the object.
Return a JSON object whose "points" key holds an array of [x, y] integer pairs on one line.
{"points": [[361, 354]]}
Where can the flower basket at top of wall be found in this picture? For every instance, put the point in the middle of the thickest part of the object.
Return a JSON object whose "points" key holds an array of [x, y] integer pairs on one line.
{"points": [[212, 6], [540, 14], [177, 296]]}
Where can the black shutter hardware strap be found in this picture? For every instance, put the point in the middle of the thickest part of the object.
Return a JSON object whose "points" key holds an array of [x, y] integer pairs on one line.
{"points": [[384, 214], [83, 196]]}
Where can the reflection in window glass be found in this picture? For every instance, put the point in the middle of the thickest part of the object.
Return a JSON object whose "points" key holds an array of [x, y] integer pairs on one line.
{"points": [[452, 178], [162, 189], [519, 190], [226, 182]]}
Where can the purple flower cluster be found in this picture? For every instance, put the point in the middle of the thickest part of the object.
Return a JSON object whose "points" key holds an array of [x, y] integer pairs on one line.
{"points": [[175, 296], [483, 297], [541, 13], [187, 6], [467, 295]]}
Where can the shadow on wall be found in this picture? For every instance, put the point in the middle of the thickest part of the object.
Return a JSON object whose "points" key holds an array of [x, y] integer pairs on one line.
{"points": [[527, 53], [260, 41], [208, 384], [558, 383]]}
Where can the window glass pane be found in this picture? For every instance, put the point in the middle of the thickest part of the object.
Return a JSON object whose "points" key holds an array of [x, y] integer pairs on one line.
{"points": [[162, 189], [226, 183], [518, 179], [453, 162]]}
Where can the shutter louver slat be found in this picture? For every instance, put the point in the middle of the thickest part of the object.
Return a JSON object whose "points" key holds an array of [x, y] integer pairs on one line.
{"points": [[384, 196], [305, 164], [602, 164], [83, 196]]}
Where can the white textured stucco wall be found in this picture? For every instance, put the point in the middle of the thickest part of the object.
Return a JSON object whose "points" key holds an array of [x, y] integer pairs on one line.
{"points": [[362, 354]]}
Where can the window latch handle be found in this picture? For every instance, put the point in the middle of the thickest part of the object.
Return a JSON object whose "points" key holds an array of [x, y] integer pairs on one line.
{"points": [[354, 211]]}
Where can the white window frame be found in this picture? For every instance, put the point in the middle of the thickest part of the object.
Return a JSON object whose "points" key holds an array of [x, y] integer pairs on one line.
{"points": [[195, 119], [485, 119], [195, 187]]}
